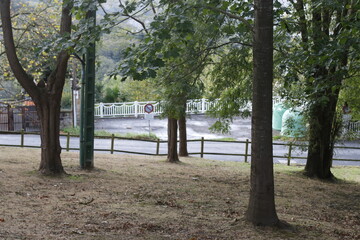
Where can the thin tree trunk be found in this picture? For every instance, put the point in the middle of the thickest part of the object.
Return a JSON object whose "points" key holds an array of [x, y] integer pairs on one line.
{"points": [[261, 209], [183, 151], [172, 140]]}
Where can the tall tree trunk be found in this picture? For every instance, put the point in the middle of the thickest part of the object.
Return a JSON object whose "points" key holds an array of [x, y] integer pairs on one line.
{"points": [[321, 139], [183, 151], [261, 209], [49, 115], [172, 140]]}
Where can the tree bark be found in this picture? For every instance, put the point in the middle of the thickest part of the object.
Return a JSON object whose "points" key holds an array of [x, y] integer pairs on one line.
{"points": [[49, 115], [46, 95], [319, 158], [261, 209], [172, 140], [183, 151]]}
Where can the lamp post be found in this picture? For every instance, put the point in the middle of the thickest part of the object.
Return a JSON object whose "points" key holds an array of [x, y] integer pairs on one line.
{"points": [[88, 102]]}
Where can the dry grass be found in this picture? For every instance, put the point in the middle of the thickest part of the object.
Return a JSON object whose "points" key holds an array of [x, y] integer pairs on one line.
{"points": [[132, 197]]}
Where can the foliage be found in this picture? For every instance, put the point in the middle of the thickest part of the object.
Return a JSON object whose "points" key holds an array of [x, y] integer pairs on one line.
{"points": [[350, 94], [31, 29], [188, 40], [112, 95], [115, 90], [66, 100], [231, 85], [339, 40]]}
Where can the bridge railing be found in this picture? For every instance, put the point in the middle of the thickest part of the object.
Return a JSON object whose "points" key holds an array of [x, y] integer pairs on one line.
{"points": [[137, 108], [353, 126], [193, 106]]}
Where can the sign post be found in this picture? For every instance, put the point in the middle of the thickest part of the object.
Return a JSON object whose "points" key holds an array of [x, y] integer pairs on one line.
{"points": [[149, 108]]}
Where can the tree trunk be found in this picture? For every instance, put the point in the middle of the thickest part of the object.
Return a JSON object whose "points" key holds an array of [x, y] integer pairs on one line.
{"points": [[172, 140], [320, 153], [49, 115], [183, 152], [261, 209]]}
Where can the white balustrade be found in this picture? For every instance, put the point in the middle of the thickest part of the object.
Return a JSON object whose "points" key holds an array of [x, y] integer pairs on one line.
{"points": [[194, 106], [354, 126], [137, 108]]}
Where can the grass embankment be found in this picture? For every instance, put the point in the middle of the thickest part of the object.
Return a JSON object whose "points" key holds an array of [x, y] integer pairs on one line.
{"points": [[102, 133], [136, 197]]}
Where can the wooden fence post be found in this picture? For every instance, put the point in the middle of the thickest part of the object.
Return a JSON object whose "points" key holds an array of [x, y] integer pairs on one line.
{"points": [[289, 154], [202, 148], [67, 141], [22, 138], [23, 117], [10, 112], [246, 150], [112, 143], [158, 147]]}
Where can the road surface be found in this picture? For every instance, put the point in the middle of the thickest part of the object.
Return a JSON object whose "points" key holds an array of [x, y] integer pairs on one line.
{"points": [[197, 128]]}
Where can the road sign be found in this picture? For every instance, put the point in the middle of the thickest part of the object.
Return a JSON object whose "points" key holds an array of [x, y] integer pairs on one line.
{"points": [[149, 116], [149, 108]]}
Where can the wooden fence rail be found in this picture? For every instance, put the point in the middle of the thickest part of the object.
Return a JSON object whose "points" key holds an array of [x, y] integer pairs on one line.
{"points": [[289, 156]]}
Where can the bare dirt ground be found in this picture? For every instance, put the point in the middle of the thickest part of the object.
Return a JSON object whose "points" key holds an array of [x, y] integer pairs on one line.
{"points": [[132, 197]]}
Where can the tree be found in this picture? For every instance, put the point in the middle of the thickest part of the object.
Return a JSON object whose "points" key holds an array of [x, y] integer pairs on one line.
{"points": [[224, 28], [261, 209], [46, 93], [174, 52], [325, 49]]}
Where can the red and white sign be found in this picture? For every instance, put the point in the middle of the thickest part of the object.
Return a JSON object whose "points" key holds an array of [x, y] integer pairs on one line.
{"points": [[149, 108]]}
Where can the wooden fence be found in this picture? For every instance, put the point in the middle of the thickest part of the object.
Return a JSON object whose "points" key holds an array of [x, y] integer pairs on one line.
{"points": [[246, 154]]}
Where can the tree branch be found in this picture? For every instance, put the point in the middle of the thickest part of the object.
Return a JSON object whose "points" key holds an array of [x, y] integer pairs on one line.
{"points": [[25, 80], [63, 56], [126, 14], [300, 9], [231, 15]]}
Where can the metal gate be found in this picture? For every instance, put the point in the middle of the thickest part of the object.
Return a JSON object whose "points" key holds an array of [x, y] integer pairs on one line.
{"points": [[4, 119], [19, 118]]}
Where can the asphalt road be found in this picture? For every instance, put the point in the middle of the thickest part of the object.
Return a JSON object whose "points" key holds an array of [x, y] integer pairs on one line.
{"points": [[197, 127]]}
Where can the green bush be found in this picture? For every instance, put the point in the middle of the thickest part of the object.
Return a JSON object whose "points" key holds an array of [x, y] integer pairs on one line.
{"points": [[66, 100]]}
